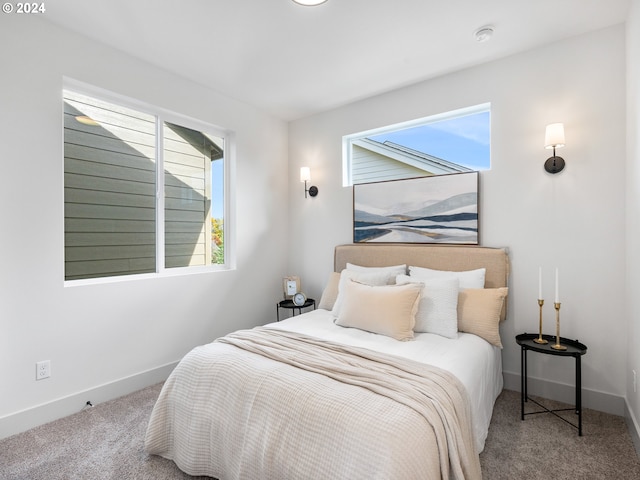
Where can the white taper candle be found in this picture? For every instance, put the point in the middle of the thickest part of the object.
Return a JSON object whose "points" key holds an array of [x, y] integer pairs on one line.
{"points": [[539, 283]]}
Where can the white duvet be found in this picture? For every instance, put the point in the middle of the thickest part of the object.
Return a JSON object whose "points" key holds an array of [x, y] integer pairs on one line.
{"points": [[475, 362]]}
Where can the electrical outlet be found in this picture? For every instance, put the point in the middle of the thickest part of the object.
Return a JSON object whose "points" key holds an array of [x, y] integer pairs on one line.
{"points": [[635, 383], [43, 369]]}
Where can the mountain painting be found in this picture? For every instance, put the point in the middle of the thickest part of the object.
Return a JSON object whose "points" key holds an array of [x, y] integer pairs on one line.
{"points": [[437, 209]]}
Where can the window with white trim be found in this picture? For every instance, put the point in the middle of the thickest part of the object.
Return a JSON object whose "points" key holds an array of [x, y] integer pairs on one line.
{"points": [[144, 190], [451, 142]]}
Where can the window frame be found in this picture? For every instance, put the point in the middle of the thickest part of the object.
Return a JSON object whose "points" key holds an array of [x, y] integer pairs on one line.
{"points": [[348, 140], [163, 115]]}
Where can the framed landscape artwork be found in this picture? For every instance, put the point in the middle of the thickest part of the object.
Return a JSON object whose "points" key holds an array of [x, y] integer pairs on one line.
{"points": [[437, 209]]}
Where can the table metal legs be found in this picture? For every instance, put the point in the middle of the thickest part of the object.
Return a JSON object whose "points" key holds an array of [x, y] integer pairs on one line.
{"points": [[524, 395], [579, 393], [523, 379]]}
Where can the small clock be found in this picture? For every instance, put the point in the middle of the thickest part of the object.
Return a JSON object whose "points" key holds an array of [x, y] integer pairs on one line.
{"points": [[299, 298]]}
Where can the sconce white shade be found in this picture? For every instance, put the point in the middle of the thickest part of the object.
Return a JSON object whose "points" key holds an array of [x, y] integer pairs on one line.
{"points": [[554, 136], [305, 176]]}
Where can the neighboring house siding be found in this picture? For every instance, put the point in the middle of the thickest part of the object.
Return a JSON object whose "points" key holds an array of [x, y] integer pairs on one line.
{"points": [[109, 192], [187, 204], [368, 166], [373, 161]]}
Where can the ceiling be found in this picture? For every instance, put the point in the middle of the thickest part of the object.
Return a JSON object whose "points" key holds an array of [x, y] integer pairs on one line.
{"points": [[293, 61]]}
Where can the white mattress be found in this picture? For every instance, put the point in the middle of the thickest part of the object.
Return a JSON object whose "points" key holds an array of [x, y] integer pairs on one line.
{"points": [[476, 363]]}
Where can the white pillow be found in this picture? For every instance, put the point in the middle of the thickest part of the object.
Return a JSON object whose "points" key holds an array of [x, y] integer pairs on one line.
{"points": [[391, 271], [467, 279], [438, 307], [368, 278], [385, 309]]}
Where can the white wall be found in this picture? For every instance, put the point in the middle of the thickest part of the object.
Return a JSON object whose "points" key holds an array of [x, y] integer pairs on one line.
{"points": [[633, 213], [573, 220], [101, 334]]}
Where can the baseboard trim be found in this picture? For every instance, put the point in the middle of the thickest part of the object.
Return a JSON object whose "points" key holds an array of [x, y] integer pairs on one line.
{"points": [[47, 412], [603, 402], [634, 429]]}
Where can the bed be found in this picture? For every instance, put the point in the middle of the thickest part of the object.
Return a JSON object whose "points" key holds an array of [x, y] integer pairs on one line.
{"points": [[372, 384]]}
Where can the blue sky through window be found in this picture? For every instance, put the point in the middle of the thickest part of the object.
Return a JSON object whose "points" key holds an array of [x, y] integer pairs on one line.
{"points": [[217, 189], [463, 140]]}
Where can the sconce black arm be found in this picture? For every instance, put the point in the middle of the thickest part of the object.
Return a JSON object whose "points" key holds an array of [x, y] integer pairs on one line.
{"points": [[312, 190], [554, 164]]}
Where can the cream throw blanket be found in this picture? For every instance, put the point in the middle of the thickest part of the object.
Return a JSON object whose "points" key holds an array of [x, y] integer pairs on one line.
{"points": [[266, 403]]}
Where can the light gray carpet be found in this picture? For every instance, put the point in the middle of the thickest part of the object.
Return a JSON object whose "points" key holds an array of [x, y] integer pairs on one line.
{"points": [[106, 442], [544, 447], [103, 442]]}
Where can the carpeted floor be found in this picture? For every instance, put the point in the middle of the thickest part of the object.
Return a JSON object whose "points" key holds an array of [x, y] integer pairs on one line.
{"points": [[103, 442], [106, 442], [544, 447]]}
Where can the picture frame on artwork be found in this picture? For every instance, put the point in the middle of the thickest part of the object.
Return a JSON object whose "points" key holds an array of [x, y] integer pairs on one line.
{"points": [[434, 209]]}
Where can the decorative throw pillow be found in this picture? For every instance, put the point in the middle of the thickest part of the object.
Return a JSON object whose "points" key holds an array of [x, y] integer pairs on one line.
{"points": [[391, 271], [388, 310], [330, 292], [368, 278], [467, 279], [479, 312], [438, 307]]}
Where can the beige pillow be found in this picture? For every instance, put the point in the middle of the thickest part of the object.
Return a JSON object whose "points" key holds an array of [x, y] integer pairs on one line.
{"points": [[479, 312], [330, 292], [368, 278], [388, 310]]}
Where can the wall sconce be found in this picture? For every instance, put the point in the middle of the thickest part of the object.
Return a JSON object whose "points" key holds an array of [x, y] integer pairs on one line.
{"points": [[554, 138], [305, 176]]}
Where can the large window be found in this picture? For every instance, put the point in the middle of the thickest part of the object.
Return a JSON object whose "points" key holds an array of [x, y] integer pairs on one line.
{"points": [[452, 142], [144, 190]]}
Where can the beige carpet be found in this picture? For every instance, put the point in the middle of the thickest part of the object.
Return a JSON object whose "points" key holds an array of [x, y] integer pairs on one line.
{"points": [[106, 442], [544, 447]]}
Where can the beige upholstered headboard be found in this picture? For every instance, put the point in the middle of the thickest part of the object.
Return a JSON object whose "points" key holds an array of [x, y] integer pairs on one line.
{"points": [[437, 257]]}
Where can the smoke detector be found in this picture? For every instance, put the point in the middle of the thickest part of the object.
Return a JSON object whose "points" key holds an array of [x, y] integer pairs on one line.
{"points": [[309, 3], [483, 34]]}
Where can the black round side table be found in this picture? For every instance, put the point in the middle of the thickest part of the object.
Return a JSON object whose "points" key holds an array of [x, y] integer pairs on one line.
{"points": [[292, 306], [573, 349]]}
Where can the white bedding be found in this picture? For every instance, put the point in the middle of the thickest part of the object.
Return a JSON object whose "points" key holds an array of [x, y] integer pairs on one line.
{"points": [[274, 404], [476, 363]]}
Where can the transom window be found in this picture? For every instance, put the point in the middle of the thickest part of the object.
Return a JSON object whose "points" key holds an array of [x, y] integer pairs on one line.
{"points": [[452, 142], [144, 190]]}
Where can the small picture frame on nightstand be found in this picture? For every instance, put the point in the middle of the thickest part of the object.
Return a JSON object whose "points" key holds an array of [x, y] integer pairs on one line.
{"points": [[290, 286]]}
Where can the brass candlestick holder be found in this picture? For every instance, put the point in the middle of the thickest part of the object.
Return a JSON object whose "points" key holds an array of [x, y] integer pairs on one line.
{"points": [[540, 340], [557, 346]]}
